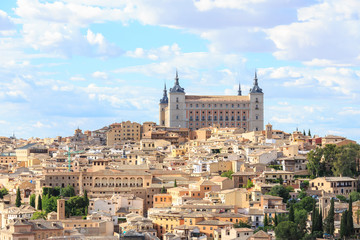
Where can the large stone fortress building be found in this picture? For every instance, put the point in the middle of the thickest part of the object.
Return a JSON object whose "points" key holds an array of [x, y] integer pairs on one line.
{"points": [[190, 111]]}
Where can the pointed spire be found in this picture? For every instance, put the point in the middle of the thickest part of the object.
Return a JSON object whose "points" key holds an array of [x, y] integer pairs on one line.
{"points": [[177, 78], [177, 87], [165, 97], [239, 91], [256, 88], [255, 79]]}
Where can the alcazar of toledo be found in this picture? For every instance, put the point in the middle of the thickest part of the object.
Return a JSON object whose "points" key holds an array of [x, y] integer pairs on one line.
{"points": [[191, 111]]}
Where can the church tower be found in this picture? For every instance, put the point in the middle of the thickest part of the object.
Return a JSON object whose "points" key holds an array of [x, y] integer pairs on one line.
{"points": [[176, 116], [163, 107], [256, 121]]}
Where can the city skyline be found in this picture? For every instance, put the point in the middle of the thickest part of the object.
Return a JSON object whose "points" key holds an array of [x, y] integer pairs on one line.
{"points": [[81, 63]]}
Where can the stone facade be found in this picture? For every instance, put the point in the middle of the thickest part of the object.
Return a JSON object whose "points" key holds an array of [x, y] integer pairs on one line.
{"points": [[189, 111]]}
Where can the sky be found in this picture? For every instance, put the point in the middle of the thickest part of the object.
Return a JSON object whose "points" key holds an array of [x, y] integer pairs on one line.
{"points": [[89, 63]]}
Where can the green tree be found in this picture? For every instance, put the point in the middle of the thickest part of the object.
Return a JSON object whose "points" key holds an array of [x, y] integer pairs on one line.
{"points": [[313, 218], [275, 220], [342, 198], [355, 196], [350, 220], [163, 190], [343, 230], [39, 206], [76, 206], [18, 198], [292, 213], [305, 203], [86, 202], [242, 224], [3, 192], [287, 230], [280, 191], [38, 215], [345, 161], [249, 184], [32, 200], [175, 184], [67, 191], [304, 133], [266, 220], [300, 219], [228, 174], [309, 133], [329, 226]]}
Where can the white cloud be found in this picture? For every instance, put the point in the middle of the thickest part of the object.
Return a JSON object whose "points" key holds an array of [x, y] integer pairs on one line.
{"points": [[325, 33], [77, 78], [161, 53], [100, 75]]}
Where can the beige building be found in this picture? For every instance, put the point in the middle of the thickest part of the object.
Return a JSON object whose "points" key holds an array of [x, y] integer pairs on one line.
{"points": [[21, 229], [189, 111], [119, 132], [335, 185]]}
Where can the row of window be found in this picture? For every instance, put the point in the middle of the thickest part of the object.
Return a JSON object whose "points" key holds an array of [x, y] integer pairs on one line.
{"points": [[220, 105], [220, 118]]}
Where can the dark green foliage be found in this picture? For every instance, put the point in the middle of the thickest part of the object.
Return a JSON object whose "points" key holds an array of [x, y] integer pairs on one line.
{"points": [[49, 203], [52, 191], [175, 184], [275, 220], [39, 206], [309, 133], [38, 215], [305, 203], [266, 220], [300, 219], [18, 198], [342, 198], [350, 220], [336, 160], [276, 167], [355, 196], [343, 229], [292, 213], [227, 174], [304, 185], [163, 190], [67, 191], [3, 192], [302, 194], [86, 202], [329, 221], [304, 133], [287, 230], [32, 200], [241, 224], [281, 191], [75, 206]]}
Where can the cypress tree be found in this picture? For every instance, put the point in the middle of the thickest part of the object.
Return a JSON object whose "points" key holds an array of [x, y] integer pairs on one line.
{"points": [[330, 219], [32, 200], [320, 220], [266, 220], [309, 133], [175, 184], [304, 133], [292, 214], [39, 206], [350, 221], [163, 190], [343, 231], [313, 218], [18, 198], [86, 201], [275, 220]]}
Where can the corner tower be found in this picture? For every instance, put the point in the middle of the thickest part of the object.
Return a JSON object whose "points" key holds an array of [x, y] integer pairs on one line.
{"points": [[163, 107], [176, 116], [256, 113]]}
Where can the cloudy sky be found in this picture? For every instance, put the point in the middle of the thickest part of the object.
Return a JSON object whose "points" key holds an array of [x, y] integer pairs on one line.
{"points": [[89, 63]]}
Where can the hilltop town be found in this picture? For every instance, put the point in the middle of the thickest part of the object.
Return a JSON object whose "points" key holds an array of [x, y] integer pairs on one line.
{"points": [[145, 181]]}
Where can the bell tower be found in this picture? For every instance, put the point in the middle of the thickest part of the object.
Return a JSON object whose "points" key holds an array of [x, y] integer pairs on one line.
{"points": [[176, 106]]}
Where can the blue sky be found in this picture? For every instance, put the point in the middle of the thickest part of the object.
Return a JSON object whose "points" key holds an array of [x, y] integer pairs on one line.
{"points": [[89, 63]]}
